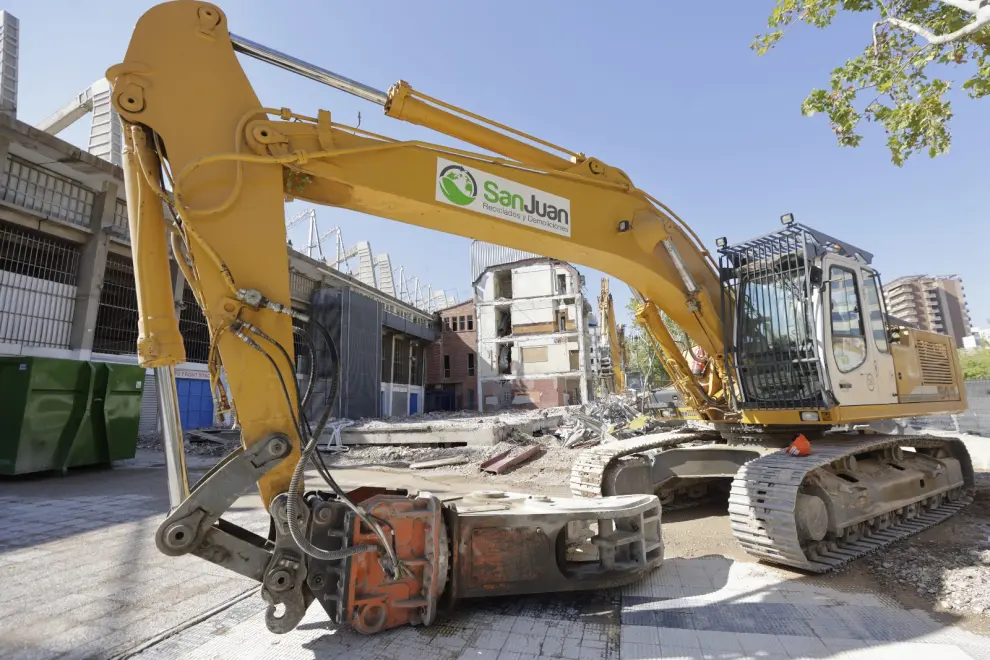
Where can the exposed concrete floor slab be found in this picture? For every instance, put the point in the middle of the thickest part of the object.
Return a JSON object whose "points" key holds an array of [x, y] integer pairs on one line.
{"points": [[467, 430]]}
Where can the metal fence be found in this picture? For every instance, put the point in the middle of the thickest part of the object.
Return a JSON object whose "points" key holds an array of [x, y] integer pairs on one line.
{"points": [[193, 328], [45, 192], [38, 278], [975, 420], [116, 329]]}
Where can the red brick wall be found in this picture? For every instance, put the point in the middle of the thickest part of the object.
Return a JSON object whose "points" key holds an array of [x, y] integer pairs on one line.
{"points": [[458, 345]]}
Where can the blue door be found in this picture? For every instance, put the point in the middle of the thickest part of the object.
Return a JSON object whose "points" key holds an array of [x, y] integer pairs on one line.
{"points": [[195, 403], [413, 403]]}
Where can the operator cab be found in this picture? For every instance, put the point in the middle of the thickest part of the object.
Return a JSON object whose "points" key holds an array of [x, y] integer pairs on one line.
{"points": [[807, 328]]}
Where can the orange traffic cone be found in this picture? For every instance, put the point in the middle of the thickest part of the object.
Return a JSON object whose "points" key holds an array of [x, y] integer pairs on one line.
{"points": [[800, 446]]}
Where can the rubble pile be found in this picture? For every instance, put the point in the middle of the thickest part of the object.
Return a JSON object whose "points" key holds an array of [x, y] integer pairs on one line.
{"points": [[217, 441], [948, 565], [609, 419]]}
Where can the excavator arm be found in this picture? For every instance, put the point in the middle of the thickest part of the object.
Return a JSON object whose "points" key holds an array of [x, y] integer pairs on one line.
{"points": [[207, 170]]}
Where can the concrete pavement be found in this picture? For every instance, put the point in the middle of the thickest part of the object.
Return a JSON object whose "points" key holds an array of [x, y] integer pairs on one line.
{"points": [[80, 574], [701, 608], [80, 577]]}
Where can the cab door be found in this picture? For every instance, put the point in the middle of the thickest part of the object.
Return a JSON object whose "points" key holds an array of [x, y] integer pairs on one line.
{"points": [[858, 358], [876, 323]]}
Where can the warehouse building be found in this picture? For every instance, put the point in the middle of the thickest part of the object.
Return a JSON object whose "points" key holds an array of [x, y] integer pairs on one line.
{"points": [[67, 289]]}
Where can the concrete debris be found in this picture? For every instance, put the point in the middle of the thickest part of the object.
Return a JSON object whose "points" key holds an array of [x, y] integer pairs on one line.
{"points": [[217, 441], [609, 419], [439, 462], [502, 462], [948, 565]]}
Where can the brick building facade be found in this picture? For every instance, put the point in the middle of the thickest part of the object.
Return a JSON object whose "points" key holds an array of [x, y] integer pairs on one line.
{"points": [[451, 361]]}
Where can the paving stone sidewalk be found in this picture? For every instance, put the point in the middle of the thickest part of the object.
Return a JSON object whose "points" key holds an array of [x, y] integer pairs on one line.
{"points": [[705, 608]]}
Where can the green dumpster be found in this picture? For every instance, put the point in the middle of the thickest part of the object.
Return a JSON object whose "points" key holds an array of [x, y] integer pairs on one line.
{"points": [[56, 414], [119, 412]]}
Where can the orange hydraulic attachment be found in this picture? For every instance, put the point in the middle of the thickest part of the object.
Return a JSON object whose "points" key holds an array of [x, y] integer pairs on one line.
{"points": [[377, 601]]}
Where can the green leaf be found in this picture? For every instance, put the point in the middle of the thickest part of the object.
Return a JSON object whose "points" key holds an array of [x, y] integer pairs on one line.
{"points": [[888, 83]]}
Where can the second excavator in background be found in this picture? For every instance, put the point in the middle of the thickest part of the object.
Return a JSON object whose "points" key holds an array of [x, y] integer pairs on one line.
{"points": [[613, 363]]}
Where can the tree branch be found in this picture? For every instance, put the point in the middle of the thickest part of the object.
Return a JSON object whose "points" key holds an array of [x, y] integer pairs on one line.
{"points": [[981, 19], [968, 6]]}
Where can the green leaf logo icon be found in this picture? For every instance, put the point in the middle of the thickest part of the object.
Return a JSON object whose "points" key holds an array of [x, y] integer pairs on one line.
{"points": [[458, 185]]}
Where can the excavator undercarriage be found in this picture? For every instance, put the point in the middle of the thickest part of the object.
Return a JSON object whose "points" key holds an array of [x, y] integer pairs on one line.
{"points": [[852, 495]]}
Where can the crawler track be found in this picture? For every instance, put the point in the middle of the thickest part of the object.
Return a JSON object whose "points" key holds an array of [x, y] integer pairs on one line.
{"points": [[763, 498], [589, 470]]}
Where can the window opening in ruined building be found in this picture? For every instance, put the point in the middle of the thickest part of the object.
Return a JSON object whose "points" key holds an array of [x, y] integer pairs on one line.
{"points": [[561, 283], [470, 364], [503, 323], [507, 396], [461, 323], [575, 365], [503, 284], [561, 320], [446, 323], [446, 366], [505, 359], [470, 322]]}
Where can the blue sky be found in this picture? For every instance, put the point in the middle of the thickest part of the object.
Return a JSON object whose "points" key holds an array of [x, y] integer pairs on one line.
{"points": [[669, 92]]}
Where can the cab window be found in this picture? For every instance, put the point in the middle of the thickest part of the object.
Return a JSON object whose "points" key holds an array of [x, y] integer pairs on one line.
{"points": [[874, 306], [848, 338]]}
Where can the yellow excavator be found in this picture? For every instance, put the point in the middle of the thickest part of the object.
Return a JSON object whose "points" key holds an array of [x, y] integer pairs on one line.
{"points": [[613, 371], [792, 323]]}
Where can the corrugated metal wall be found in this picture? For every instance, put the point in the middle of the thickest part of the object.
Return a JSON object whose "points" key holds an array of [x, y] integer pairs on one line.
{"points": [[355, 323], [484, 255]]}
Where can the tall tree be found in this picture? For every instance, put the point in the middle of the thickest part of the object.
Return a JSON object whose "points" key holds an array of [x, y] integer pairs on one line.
{"points": [[901, 92]]}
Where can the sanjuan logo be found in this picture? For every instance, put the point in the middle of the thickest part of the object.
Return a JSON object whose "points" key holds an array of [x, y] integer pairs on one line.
{"points": [[458, 185], [509, 199]]}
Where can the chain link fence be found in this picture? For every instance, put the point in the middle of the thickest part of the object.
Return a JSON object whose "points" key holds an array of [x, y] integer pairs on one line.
{"points": [[975, 420]]}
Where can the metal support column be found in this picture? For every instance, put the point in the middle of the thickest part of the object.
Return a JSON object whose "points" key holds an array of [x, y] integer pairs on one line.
{"points": [[4, 152], [92, 266], [582, 351], [175, 456], [409, 381]]}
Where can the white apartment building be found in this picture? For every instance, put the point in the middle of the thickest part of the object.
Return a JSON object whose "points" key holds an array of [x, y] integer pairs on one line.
{"points": [[534, 342]]}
